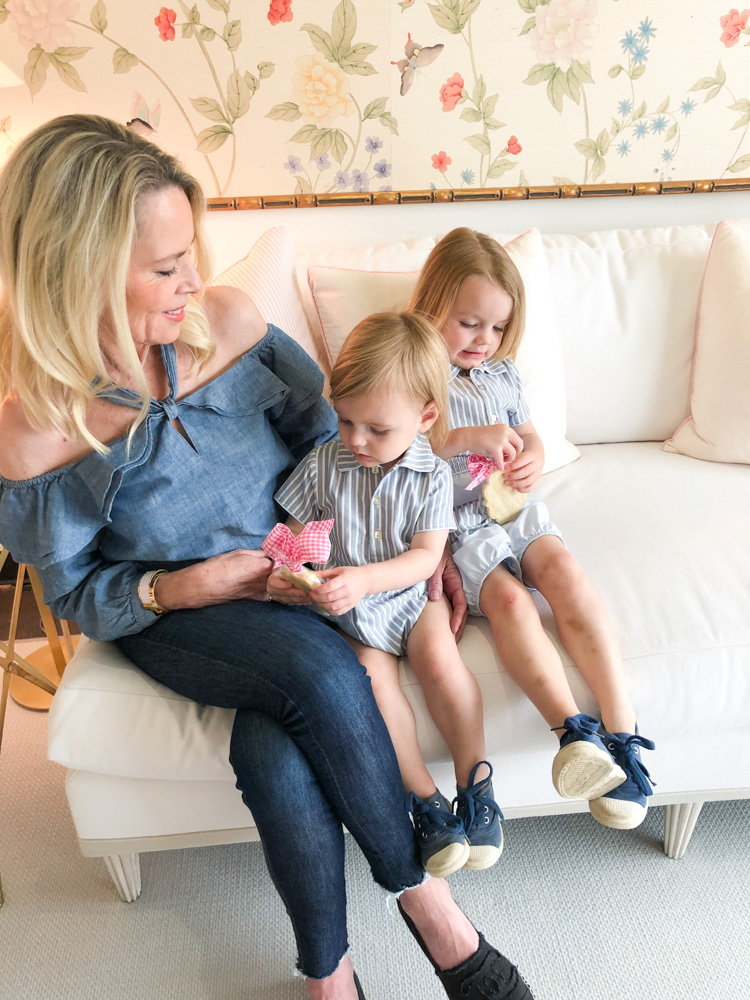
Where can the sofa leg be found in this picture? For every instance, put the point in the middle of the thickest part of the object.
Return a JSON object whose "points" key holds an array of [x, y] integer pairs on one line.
{"points": [[125, 870], [679, 823]]}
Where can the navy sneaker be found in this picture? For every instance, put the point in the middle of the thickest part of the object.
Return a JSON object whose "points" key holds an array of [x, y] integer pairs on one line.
{"points": [[480, 815], [440, 834], [624, 807], [583, 768]]}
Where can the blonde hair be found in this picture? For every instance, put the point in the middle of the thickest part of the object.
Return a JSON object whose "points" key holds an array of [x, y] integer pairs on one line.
{"points": [[399, 350], [69, 200], [460, 255]]}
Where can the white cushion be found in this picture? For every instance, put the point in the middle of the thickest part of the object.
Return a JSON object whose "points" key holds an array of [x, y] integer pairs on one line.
{"points": [[718, 428], [626, 302], [268, 274], [665, 545], [345, 296]]}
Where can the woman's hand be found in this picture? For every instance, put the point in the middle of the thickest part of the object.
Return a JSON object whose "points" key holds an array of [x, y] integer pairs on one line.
{"points": [[498, 441], [284, 591], [345, 587], [447, 580], [241, 574], [524, 472]]}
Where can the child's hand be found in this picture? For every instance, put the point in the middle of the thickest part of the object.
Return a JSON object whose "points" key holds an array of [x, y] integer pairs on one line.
{"points": [[345, 586], [284, 592], [523, 473], [498, 441]]}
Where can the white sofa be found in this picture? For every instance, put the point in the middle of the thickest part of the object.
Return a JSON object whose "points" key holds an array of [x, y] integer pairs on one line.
{"points": [[663, 536]]}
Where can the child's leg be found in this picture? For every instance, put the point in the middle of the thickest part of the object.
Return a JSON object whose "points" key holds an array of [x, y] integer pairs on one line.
{"points": [[455, 705], [582, 768], [584, 625], [382, 669], [442, 844], [451, 692], [526, 650]]}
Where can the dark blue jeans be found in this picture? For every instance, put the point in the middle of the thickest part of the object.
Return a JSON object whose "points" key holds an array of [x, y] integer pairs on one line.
{"points": [[309, 749]]}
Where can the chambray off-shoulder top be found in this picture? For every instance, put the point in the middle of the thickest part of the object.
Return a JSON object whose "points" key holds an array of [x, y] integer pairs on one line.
{"points": [[93, 527]]}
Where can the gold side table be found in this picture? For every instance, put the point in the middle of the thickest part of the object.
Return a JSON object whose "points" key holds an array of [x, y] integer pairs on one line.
{"points": [[31, 681]]}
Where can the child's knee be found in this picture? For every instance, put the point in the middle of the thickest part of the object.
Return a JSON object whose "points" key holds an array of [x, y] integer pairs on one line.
{"points": [[502, 595]]}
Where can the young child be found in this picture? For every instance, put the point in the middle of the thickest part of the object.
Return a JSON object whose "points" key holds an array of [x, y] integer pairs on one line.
{"points": [[472, 291], [391, 501]]}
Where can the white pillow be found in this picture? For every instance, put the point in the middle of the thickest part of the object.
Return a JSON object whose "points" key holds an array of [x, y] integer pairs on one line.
{"points": [[343, 297], [268, 275], [718, 428]]}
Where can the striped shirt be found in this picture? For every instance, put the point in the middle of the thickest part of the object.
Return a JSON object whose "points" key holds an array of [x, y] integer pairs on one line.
{"points": [[376, 515], [491, 393]]}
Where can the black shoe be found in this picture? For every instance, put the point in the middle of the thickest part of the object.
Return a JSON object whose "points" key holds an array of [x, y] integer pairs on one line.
{"points": [[360, 994], [485, 975]]}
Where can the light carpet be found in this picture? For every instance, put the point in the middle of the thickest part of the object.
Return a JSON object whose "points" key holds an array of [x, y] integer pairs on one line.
{"points": [[586, 912]]}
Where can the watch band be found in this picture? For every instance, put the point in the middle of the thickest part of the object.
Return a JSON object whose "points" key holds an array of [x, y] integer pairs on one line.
{"points": [[146, 591]]}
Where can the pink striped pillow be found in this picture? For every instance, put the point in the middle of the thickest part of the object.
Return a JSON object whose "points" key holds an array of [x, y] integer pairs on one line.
{"points": [[269, 277]]}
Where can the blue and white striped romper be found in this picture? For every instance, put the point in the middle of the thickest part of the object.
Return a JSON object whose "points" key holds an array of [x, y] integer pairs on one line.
{"points": [[376, 515], [491, 393]]}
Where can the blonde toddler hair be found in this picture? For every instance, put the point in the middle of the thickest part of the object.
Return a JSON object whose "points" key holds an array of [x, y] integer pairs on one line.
{"points": [[69, 201], [459, 255], [399, 350]]}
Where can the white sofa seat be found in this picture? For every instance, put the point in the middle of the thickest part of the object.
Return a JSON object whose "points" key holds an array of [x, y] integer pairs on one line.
{"points": [[149, 768]]}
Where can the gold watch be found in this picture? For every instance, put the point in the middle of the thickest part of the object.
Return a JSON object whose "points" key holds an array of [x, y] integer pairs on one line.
{"points": [[146, 593]]}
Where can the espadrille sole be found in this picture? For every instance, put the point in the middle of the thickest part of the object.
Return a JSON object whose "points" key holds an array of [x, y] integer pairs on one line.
{"points": [[581, 770]]}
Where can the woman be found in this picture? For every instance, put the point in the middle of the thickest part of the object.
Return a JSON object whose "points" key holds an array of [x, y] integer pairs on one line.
{"points": [[143, 432]]}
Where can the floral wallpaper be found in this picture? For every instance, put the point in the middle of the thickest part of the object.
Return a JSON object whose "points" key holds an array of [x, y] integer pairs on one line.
{"points": [[321, 96]]}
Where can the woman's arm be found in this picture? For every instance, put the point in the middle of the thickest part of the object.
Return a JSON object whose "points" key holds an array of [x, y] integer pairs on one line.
{"points": [[346, 585]]}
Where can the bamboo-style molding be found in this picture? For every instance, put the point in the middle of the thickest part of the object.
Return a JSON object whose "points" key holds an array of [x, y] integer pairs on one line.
{"points": [[255, 202]]}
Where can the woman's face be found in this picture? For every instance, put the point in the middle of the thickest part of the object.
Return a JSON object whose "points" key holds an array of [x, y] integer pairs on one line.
{"points": [[161, 276]]}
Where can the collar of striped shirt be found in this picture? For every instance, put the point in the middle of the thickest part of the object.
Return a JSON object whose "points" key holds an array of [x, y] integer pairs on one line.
{"points": [[492, 366], [418, 456]]}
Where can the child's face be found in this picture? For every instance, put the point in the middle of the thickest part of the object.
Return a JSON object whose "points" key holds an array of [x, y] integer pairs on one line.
{"points": [[477, 321], [379, 427]]}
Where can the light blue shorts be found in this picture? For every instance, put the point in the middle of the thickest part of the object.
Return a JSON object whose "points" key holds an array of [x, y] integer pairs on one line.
{"points": [[477, 551]]}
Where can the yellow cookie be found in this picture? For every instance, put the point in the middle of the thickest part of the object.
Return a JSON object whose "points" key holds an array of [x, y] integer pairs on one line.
{"points": [[305, 579], [502, 502]]}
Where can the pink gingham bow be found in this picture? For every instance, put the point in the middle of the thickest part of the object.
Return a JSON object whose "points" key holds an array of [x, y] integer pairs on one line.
{"points": [[312, 544], [480, 468]]}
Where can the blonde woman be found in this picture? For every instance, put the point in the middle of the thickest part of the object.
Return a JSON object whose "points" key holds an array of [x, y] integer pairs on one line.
{"points": [[144, 428], [391, 501]]}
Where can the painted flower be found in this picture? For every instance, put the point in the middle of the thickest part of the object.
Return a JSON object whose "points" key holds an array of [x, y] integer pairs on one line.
{"points": [[293, 164], [625, 107], [280, 10], [629, 42], [641, 130], [386, 187], [441, 161], [342, 179], [687, 107], [646, 28], [468, 176], [321, 90], [450, 92], [323, 162], [360, 180], [659, 124], [382, 168], [42, 22], [563, 31], [514, 146], [623, 149], [732, 23], [164, 21], [667, 155], [373, 144], [640, 54]]}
